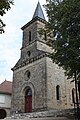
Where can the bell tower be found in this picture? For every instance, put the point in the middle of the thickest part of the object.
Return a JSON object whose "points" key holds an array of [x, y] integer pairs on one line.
{"points": [[29, 72], [35, 76]]}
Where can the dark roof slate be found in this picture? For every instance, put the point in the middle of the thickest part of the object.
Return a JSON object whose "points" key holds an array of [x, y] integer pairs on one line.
{"points": [[38, 15], [38, 12]]}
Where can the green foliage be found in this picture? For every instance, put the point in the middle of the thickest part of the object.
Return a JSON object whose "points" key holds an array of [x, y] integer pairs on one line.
{"points": [[64, 22], [5, 5]]}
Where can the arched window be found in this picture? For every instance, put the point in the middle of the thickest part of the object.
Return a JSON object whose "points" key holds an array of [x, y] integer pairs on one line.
{"points": [[58, 92], [79, 88], [45, 36], [29, 36], [73, 99]]}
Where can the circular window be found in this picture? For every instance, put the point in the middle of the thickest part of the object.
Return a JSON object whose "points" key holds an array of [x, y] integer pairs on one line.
{"points": [[27, 75], [28, 53]]}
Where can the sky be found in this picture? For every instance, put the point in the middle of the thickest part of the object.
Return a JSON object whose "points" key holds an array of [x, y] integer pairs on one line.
{"points": [[11, 41]]}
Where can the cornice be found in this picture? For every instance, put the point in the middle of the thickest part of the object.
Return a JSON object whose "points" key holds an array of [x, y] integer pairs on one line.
{"points": [[33, 20], [30, 61]]}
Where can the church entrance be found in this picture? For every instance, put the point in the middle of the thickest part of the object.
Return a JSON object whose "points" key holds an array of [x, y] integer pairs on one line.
{"points": [[28, 101]]}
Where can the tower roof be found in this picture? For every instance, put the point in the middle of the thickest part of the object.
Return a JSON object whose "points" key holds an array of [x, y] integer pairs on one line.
{"points": [[38, 15], [38, 12]]}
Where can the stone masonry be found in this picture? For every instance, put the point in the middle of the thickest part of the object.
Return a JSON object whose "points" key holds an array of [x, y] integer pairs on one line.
{"points": [[36, 71]]}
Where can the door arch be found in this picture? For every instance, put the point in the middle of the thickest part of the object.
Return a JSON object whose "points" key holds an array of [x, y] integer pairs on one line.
{"points": [[28, 100], [3, 114]]}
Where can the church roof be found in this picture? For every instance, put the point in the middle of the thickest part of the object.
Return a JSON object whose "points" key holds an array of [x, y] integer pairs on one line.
{"points": [[38, 12]]}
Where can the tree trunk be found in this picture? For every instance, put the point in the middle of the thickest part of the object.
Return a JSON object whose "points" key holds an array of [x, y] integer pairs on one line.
{"points": [[77, 103]]}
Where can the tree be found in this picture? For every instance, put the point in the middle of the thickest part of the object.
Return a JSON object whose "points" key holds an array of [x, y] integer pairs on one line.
{"points": [[5, 5], [63, 28], [64, 24]]}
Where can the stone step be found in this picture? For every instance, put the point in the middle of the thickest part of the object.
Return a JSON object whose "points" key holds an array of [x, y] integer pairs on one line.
{"points": [[44, 115], [45, 118], [51, 113]]}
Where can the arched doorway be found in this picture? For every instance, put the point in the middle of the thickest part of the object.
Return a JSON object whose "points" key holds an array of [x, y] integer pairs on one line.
{"points": [[2, 113], [28, 100]]}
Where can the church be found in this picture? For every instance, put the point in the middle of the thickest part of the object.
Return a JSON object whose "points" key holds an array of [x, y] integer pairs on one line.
{"points": [[38, 83]]}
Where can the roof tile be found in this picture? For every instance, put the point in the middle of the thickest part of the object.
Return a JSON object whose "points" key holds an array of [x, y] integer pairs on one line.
{"points": [[6, 87]]}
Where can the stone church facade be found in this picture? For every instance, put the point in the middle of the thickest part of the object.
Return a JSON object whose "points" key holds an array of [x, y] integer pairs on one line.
{"points": [[38, 83]]}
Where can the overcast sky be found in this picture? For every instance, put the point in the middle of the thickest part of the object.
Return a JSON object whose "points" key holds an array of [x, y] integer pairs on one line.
{"points": [[11, 41]]}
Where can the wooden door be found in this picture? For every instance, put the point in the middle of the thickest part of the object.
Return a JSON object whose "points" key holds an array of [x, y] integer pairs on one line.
{"points": [[28, 104]]}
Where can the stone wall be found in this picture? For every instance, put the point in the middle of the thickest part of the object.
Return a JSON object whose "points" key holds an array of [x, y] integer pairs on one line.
{"points": [[37, 82], [56, 76], [44, 77], [33, 28]]}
